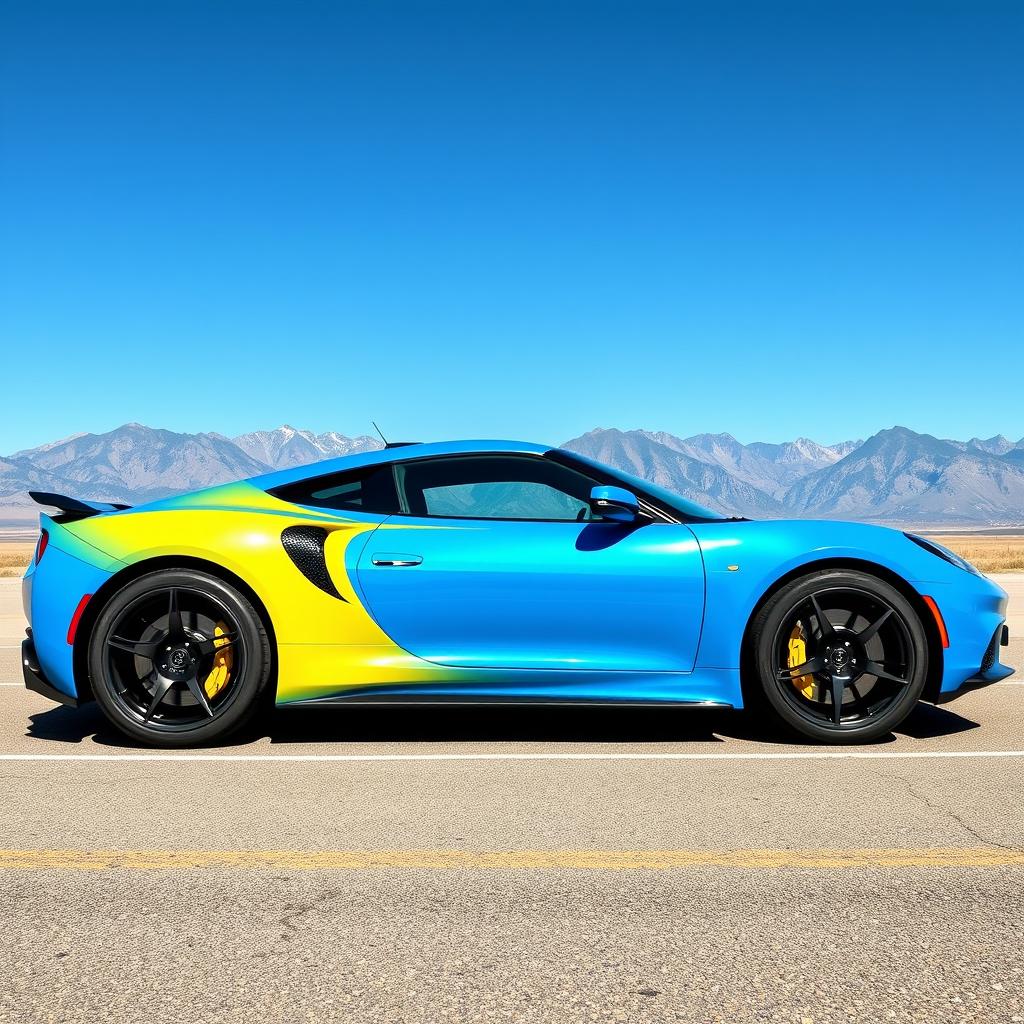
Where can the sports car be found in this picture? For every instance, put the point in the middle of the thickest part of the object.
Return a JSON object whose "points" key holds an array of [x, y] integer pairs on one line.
{"points": [[490, 571]]}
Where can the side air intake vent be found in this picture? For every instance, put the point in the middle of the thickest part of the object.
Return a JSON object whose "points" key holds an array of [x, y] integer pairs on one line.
{"points": [[305, 547], [989, 658]]}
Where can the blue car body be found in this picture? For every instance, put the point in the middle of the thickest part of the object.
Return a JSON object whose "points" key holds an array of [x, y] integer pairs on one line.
{"points": [[489, 609]]}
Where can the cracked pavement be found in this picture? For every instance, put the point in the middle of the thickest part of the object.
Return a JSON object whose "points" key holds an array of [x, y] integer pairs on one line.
{"points": [[407, 944]]}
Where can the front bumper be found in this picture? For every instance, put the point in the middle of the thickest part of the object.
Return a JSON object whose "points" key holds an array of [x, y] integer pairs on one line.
{"points": [[34, 678], [990, 671]]}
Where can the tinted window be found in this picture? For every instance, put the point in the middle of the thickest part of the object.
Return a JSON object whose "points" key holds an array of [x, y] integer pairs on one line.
{"points": [[494, 487], [676, 502], [363, 490]]}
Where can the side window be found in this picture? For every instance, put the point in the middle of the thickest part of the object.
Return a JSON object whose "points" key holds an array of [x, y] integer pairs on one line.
{"points": [[494, 487], [371, 489]]}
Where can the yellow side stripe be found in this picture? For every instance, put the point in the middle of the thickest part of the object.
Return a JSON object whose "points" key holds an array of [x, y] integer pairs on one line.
{"points": [[507, 860]]}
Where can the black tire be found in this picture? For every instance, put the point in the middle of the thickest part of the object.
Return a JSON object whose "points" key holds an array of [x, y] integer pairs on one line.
{"points": [[153, 651], [865, 623]]}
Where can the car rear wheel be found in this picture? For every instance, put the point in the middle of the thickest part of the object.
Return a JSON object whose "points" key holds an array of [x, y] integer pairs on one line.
{"points": [[179, 658], [841, 655]]}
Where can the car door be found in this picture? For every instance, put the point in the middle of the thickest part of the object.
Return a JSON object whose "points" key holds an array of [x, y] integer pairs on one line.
{"points": [[496, 562]]}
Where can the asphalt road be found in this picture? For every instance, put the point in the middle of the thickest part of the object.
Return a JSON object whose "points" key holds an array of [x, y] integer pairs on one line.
{"points": [[509, 864]]}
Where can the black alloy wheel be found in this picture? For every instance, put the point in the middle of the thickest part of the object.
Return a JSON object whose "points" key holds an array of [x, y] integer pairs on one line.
{"points": [[178, 658], [842, 656]]}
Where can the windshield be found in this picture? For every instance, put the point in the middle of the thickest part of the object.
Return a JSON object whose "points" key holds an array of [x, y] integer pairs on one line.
{"points": [[686, 508]]}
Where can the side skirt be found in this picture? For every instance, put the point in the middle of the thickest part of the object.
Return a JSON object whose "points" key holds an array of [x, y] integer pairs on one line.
{"points": [[400, 700]]}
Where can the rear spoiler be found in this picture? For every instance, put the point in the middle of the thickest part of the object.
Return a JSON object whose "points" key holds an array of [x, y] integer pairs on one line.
{"points": [[75, 508]]}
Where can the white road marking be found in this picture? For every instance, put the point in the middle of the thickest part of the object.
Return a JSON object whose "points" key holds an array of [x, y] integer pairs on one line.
{"points": [[845, 755]]}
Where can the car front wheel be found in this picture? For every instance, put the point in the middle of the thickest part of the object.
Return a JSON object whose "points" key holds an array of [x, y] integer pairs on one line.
{"points": [[841, 655]]}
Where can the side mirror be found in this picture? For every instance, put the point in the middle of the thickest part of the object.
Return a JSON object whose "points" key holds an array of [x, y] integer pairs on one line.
{"points": [[615, 503]]}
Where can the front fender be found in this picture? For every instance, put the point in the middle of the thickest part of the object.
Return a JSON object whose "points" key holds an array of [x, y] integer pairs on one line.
{"points": [[744, 560]]}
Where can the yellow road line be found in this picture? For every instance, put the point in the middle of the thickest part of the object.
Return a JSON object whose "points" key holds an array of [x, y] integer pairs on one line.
{"points": [[506, 860]]}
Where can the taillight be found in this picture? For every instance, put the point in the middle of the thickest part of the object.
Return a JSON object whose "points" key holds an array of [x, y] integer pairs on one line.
{"points": [[44, 539]]}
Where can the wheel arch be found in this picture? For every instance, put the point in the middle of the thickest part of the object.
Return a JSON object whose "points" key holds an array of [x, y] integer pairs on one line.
{"points": [[142, 568], [748, 671]]}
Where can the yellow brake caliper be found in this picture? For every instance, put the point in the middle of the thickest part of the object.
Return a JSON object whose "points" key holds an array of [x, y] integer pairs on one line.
{"points": [[797, 656], [222, 661]]}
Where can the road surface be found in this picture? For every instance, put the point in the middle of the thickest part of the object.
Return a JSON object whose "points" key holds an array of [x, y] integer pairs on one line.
{"points": [[508, 864]]}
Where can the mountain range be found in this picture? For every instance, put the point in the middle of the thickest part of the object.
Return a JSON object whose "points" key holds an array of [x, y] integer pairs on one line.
{"points": [[897, 476]]}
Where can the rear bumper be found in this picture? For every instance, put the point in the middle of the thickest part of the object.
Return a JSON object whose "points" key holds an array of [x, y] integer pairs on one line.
{"points": [[52, 590], [34, 678]]}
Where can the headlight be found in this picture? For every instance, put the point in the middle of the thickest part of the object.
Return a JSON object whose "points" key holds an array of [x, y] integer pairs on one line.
{"points": [[944, 553]]}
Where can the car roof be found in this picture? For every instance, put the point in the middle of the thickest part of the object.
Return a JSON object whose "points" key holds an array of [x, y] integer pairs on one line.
{"points": [[397, 454]]}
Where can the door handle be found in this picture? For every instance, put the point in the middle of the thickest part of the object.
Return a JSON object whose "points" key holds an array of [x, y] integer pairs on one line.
{"points": [[389, 558]]}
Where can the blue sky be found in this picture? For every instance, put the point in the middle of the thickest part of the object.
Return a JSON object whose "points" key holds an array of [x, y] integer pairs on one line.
{"points": [[518, 219]]}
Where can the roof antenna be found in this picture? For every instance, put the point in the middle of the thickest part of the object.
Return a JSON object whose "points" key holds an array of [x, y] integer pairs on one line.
{"points": [[391, 444]]}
